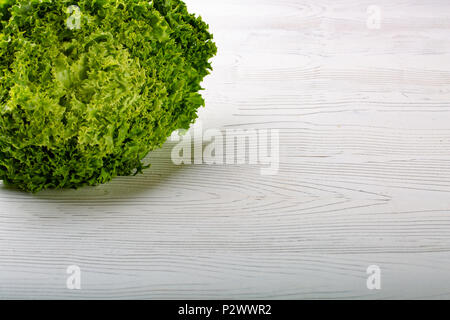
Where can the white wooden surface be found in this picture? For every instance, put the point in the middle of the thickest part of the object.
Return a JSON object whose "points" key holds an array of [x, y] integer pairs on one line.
{"points": [[364, 119]]}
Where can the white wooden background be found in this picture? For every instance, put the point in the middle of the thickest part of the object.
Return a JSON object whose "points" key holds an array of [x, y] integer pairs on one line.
{"points": [[364, 119]]}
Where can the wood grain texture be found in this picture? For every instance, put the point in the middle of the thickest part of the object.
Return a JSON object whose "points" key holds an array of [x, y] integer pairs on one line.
{"points": [[364, 120]]}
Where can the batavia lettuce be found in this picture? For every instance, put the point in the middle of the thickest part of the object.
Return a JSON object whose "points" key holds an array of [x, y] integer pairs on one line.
{"points": [[89, 87]]}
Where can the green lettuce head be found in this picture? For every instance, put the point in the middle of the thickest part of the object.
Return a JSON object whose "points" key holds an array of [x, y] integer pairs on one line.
{"points": [[88, 88]]}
